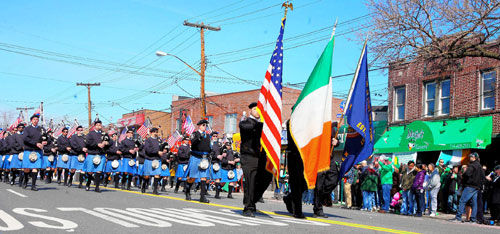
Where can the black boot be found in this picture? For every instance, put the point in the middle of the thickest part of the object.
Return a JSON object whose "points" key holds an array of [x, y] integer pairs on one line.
{"points": [[33, 181], [42, 175], [70, 181], [177, 184], [89, 181], [98, 181], [217, 190], [124, 180], [187, 191], [6, 177], [207, 187], [117, 180], [129, 181], [49, 177], [59, 172], [105, 177], [230, 191], [155, 185], [144, 185], [21, 178], [81, 178], [25, 181], [203, 192], [13, 177], [163, 184], [66, 175]]}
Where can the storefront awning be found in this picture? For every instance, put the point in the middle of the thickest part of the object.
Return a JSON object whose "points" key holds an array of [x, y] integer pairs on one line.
{"points": [[473, 133]]}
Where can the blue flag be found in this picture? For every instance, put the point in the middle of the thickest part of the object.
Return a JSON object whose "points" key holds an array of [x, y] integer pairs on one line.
{"points": [[359, 143]]}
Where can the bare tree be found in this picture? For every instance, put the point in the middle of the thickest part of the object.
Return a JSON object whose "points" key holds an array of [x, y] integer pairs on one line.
{"points": [[7, 118], [434, 29]]}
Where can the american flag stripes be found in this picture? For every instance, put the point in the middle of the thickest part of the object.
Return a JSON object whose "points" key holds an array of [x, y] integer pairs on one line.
{"points": [[123, 134], [18, 121], [72, 130], [188, 126], [174, 138], [270, 105], [144, 129], [58, 130]]}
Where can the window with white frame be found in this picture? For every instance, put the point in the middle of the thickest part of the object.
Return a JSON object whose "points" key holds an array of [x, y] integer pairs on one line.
{"points": [[179, 125], [488, 87], [230, 123], [430, 98], [444, 97], [399, 103]]}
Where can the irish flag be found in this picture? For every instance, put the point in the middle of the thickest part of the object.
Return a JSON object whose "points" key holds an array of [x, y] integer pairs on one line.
{"points": [[311, 120]]}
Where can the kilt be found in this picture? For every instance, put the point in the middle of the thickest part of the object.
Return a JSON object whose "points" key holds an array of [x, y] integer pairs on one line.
{"points": [[215, 175], [61, 163], [6, 163], [74, 163], [165, 172], [194, 171], [180, 173], [224, 176], [1, 160], [109, 169], [140, 170], [29, 164], [47, 164], [15, 163], [89, 165], [125, 168], [148, 168]]}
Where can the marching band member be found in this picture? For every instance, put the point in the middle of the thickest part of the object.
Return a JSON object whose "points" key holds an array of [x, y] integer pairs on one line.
{"points": [[228, 169], [152, 166], [16, 143], [113, 161], [94, 163], [77, 155], [33, 145], [183, 155], [165, 170], [5, 155], [216, 162], [63, 160], [49, 158], [198, 163], [129, 149]]}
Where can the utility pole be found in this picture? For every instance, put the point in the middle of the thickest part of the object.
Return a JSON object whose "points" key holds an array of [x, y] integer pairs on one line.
{"points": [[25, 109], [202, 28], [88, 85]]}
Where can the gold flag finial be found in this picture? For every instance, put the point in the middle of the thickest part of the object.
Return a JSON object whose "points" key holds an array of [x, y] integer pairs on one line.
{"points": [[287, 5]]}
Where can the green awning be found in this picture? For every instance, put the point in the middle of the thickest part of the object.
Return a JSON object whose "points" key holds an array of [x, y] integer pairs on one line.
{"points": [[473, 133]]}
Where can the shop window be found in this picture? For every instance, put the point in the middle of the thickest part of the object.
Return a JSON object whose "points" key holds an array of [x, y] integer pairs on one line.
{"points": [[230, 123], [488, 87], [444, 97], [178, 125], [399, 103], [430, 98]]}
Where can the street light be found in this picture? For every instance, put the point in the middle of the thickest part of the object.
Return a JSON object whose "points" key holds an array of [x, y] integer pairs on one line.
{"points": [[202, 79]]}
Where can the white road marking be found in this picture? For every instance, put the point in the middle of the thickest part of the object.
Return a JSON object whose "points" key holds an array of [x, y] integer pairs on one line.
{"points": [[18, 194], [136, 218], [100, 216], [11, 222], [64, 224]]}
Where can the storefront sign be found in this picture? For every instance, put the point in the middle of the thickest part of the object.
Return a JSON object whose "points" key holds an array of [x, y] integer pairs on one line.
{"points": [[130, 121]]}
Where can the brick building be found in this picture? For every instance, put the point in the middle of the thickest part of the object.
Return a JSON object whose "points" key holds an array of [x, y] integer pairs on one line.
{"points": [[438, 108], [159, 119], [225, 111]]}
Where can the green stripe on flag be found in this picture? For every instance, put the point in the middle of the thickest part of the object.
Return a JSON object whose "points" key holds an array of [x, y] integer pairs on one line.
{"points": [[320, 76]]}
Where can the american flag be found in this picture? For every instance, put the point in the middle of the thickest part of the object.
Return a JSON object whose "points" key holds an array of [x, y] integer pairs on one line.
{"points": [[174, 138], [270, 105], [123, 134], [144, 129], [188, 126], [1, 134], [18, 121], [58, 130]]}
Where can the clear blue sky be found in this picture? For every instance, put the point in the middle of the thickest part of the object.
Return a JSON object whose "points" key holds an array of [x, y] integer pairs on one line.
{"points": [[95, 41]]}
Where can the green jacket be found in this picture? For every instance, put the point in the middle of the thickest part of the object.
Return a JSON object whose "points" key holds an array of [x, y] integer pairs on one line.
{"points": [[386, 173], [369, 180]]}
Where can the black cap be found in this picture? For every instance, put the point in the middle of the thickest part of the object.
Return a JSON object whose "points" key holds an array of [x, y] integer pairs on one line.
{"points": [[20, 125], [131, 131], [474, 154], [203, 121], [35, 116], [79, 126], [214, 133], [186, 138], [154, 130], [252, 105], [64, 129], [497, 167], [97, 121]]}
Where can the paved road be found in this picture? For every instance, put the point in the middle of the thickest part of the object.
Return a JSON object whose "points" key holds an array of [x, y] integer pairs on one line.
{"points": [[58, 209]]}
